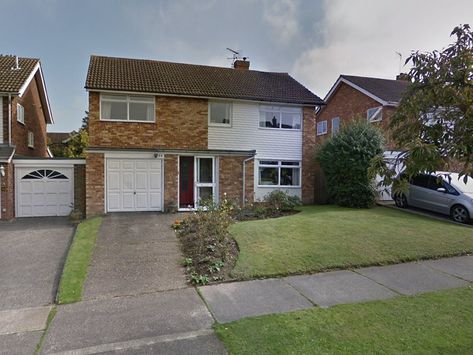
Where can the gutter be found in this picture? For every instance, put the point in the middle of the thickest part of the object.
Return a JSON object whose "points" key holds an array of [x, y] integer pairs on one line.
{"points": [[243, 201]]}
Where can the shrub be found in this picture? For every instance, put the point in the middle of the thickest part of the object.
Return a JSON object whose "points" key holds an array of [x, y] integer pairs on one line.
{"points": [[278, 200], [346, 158]]}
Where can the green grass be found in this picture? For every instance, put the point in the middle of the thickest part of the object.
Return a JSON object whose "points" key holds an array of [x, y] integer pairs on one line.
{"points": [[329, 237], [77, 262], [433, 323], [50, 318]]}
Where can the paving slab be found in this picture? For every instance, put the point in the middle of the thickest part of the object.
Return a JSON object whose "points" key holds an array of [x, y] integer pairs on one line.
{"points": [[136, 253], [461, 266], [119, 319], [411, 278], [236, 300], [338, 287], [32, 254], [19, 343], [23, 320]]}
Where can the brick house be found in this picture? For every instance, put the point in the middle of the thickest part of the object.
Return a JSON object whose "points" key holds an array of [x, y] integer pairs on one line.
{"points": [[31, 183], [163, 136], [352, 97]]}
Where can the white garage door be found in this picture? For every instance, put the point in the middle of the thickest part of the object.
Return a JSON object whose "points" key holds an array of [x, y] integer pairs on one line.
{"points": [[44, 191], [134, 185]]}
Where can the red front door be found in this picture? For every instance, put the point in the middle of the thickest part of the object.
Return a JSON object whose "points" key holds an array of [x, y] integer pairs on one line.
{"points": [[186, 182]]}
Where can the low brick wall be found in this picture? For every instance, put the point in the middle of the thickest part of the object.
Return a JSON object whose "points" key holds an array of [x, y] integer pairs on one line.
{"points": [[79, 188], [7, 192]]}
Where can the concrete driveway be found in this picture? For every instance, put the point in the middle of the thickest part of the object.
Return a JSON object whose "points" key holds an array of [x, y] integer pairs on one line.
{"points": [[32, 254]]}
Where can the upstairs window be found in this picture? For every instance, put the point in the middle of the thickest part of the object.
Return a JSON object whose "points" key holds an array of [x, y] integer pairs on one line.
{"points": [[127, 108], [280, 117], [375, 114], [321, 128], [335, 125], [20, 113], [220, 113]]}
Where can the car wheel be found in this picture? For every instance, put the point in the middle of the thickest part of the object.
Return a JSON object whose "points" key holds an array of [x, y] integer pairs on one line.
{"points": [[400, 200], [460, 214]]}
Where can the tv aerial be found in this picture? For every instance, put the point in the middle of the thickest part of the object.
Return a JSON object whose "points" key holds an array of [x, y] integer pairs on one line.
{"points": [[236, 54]]}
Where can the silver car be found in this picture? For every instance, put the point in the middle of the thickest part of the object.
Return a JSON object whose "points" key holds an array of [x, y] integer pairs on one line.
{"points": [[442, 192]]}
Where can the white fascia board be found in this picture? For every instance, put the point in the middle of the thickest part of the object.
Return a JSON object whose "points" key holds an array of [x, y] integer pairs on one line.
{"points": [[356, 87], [28, 80], [48, 162], [48, 112]]}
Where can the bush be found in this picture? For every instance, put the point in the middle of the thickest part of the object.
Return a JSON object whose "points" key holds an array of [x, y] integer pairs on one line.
{"points": [[278, 200], [346, 158], [210, 252]]}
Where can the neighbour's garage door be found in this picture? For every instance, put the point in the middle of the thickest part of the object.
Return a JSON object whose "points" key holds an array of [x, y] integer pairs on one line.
{"points": [[134, 185], [44, 191]]}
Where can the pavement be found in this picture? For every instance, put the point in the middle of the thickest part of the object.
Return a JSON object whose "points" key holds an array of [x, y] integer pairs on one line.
{"points": [[32, 255], [233, 301]]}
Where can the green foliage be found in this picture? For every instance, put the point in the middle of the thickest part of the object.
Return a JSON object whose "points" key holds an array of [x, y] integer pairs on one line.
{"points": [[278, 200], [346, 158], [434, 120], [77, 144]]}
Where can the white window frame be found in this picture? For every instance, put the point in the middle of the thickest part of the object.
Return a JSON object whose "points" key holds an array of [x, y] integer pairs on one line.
{"points": [[229, 110], [129, 99], [30, 139], [198, 184], [378, 114], [335, 119], [280, 164], [20, 114], [324, 129], [280, 110]]}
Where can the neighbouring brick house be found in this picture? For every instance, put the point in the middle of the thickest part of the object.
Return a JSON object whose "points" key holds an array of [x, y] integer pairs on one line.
{"points": [[353, 97], [31, 183], [163, 136]]}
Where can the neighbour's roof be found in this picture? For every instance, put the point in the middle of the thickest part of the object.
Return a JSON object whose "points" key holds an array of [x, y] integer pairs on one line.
{"points": [[151, 76], [12, 79], [386, 89], [6, 153], [59, 137]]}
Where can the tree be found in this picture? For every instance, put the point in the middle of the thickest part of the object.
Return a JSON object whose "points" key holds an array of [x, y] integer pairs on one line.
{"points": [[346, 158], [434, 120]]}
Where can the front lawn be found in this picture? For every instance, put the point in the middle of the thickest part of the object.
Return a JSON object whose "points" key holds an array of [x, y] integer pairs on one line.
{"points": [[433, 323], [328, 237]]}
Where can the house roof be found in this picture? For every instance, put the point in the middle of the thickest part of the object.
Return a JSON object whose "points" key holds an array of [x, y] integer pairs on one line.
{"points": [[16, 81], [11, 79], [385, 91], [150, 76], [59, 137]]}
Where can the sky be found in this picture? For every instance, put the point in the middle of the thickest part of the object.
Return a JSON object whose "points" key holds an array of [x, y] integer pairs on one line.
{"points": [[314, 41]]}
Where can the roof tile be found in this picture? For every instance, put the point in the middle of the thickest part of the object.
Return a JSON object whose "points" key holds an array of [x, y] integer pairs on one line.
{"points": [[11, 80]]}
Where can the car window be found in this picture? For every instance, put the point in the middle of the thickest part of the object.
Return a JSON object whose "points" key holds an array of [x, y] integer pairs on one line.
{"points": [[450, 189], [435, 182], [420, 180]]}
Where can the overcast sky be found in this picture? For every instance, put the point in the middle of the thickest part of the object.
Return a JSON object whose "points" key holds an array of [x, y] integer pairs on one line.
{"points": [[314, 41]]}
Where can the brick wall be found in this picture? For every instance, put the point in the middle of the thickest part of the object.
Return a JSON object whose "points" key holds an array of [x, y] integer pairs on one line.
{"points": [[231, 179], [180, 123], [34, 122], [4, 108], [308, 149], [7, 192], [79, 188], [94, 182], [171, 178]]}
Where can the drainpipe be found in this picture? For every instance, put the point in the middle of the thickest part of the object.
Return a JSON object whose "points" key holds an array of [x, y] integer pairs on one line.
{"points": [[9, 119], [244, 180]]}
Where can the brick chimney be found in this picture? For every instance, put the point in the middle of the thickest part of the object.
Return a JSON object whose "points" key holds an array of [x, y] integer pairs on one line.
{"points": [[241, 64], [403, 76]]}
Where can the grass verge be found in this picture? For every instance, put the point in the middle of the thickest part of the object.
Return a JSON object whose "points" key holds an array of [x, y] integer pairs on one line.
{"points": [[330, 237], [51, 315], [432, 323], [77, 262]]}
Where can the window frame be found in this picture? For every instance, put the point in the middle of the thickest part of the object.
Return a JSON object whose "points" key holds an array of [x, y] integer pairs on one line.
{"points": [[280, 165], [230, 114], [280, 110], [337, 118], [325, 131], [30, 141], [20, 112], [127, 101], [379, 112]]}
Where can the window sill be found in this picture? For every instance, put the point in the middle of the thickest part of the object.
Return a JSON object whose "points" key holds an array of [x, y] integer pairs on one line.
{"points": [[224, 125], [127, 121], [279, 186], [281, 129], [23, 123], [322, 134]]}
